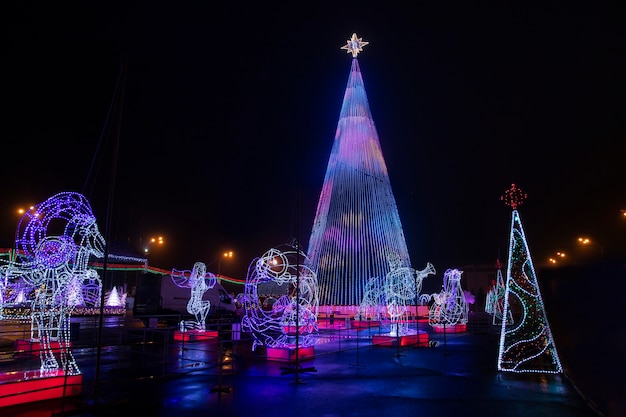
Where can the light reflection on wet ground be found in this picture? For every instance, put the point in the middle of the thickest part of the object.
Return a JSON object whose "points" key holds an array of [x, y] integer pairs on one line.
{"points": [[147, 373]]}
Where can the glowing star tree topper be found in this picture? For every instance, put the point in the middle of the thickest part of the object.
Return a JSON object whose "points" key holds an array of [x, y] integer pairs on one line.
{"points": [[354, 45]]}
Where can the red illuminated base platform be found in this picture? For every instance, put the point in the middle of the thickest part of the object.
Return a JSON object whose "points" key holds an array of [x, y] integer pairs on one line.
{"points": [[195, 335], [364, 324], [34, 346], [385, 340], [28, 386], [333, 324], [457, 328], [291, 330], [288, 354]]}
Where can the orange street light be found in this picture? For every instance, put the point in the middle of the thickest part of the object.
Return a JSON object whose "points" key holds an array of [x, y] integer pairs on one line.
{"points": [[153, 241], [21, 211], [586, 241], [559, 255], [226, 255]]}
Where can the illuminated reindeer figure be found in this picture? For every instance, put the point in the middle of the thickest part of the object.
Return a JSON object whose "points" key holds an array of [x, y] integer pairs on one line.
{"points": [[402, 285], [54, 241]]}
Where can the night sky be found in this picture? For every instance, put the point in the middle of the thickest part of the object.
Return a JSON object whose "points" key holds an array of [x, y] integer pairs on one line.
{"points": [[229, 114]]}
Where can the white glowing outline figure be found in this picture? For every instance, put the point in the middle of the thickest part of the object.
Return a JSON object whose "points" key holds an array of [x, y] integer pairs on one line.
{"points": [[48, 263], [372, 306], [402, 287], [494, 304], [450, 307], [298, 307], [200, 281]]}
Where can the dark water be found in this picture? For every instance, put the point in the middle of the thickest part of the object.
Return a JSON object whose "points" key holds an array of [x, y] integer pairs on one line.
{"points": [[586, 307]]}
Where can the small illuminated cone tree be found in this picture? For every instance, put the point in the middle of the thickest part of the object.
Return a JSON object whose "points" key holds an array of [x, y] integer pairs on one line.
{"points": [[357, 221], [526, 345]]}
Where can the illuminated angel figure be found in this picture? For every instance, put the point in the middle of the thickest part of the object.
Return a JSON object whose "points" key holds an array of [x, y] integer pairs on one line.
{"points": [[294, 310], [54, 241], [200, 281], [402, 286], [450, 307]]}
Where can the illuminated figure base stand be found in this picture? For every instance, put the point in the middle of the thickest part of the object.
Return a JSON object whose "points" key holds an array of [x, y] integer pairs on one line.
{"points": [[288, 354], [33, 346], [386, 340], [365, 324], [29, 386], [195, 335], [454, 328]]}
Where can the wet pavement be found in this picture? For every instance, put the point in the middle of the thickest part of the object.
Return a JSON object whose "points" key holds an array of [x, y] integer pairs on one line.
{"points": [[143, 371]]}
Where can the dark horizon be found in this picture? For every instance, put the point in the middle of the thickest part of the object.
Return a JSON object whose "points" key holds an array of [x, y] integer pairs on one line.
{"points": [[228, 120]]}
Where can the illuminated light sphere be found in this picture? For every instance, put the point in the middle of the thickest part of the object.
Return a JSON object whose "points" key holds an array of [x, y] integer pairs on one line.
{"points": [[290, 318], [199, 281], [357, 221], [527, 344]]}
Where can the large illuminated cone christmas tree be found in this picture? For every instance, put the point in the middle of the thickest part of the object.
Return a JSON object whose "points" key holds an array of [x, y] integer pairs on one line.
{"points": [[357, 224], [526, 344]]}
